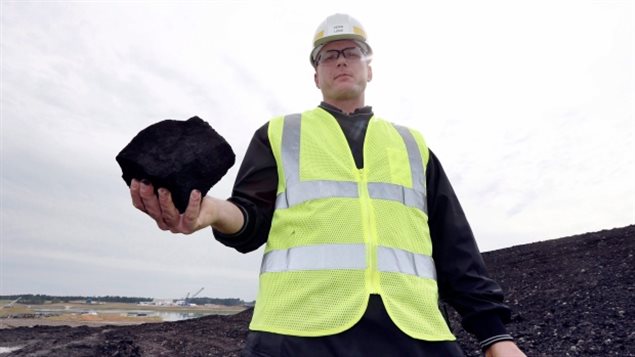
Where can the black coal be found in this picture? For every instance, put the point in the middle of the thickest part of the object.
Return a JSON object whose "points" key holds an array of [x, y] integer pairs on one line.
{"points": [[177, 155]]}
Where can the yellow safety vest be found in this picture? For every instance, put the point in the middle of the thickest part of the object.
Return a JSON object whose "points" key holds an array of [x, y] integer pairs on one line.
{"points": [[340, 233]]}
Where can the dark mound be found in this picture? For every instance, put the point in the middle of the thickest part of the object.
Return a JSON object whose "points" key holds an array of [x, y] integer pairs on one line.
{"points": [[179, 156], [571, 297]]}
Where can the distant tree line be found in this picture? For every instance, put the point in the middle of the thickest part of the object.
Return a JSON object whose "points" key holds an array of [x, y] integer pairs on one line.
{"points": [[216, 301], [38, 299]]}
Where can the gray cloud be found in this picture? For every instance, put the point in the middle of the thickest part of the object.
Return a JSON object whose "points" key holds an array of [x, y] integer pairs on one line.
{"points": [[536, 134]]}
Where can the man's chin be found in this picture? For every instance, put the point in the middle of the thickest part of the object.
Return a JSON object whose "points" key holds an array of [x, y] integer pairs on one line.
{"points": [[347, 92]]}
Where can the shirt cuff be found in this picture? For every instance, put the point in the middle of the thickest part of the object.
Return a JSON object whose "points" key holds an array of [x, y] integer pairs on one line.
{"points": [[485, 344], [489, 328]]}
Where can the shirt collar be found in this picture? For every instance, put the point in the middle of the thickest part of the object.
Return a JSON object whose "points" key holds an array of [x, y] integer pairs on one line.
{"points": [[331, 108]]}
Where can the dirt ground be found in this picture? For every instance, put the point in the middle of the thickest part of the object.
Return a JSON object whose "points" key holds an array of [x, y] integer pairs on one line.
{"points": [[571, 297]]}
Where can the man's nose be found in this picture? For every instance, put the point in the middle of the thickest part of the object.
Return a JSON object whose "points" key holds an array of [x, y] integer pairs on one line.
{"points": [[341, 61]]}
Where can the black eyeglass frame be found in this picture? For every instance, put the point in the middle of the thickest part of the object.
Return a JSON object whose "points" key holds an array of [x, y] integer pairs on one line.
{"points": [[337, 53]]}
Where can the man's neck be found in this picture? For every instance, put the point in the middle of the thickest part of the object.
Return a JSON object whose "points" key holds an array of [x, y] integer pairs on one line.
{"points": [[347, 106]]}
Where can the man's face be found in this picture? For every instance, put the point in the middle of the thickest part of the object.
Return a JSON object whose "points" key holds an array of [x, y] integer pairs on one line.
{"points": [[342, 71]]}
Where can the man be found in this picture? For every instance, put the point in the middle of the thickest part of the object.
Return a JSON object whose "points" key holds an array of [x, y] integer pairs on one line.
{"points": [[362, 227]]}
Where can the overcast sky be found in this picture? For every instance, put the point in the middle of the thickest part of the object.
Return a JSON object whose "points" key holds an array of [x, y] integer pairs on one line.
{"points": [[529, 106]]}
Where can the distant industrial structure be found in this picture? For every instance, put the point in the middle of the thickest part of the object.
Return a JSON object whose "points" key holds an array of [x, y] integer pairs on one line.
{"points": [[186, 300], [12, 303]]}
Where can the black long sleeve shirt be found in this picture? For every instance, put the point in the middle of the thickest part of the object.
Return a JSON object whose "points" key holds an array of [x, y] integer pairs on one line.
{"points": [[461, 275]]}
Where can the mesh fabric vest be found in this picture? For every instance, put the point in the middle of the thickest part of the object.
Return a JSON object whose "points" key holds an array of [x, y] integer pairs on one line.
{"points": [[340, 233]]}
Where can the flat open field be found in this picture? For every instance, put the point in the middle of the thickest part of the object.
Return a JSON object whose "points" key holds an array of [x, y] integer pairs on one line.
{"points": [[80, 314]]}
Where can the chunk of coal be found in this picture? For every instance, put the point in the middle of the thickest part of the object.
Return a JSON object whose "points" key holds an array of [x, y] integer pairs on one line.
{"points": [[179, 155]]}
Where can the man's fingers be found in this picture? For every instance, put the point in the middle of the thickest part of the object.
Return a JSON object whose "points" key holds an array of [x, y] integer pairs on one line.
{"points": [[136, 196], [144, 199], [190, 216], [163, 226], [150, 201], [169, 212], [162, 209]]}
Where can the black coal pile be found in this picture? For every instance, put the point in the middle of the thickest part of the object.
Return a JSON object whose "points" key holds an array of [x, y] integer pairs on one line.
{"points": [[179, 156], [572, 296]]}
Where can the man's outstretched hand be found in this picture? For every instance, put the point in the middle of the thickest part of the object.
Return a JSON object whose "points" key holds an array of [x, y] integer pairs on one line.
{"points": [[201, 212], [163, 211]]}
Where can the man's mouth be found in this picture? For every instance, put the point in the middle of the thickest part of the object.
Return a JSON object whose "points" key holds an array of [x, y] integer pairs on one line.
{"points": [[342, 75]]}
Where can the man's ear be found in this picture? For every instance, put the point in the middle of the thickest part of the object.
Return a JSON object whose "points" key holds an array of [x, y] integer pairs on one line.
{"points": [[370, 73], [316, 80]]}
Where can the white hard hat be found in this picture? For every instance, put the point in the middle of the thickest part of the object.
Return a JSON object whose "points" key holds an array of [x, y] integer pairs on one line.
{"points": [[339, 27]]}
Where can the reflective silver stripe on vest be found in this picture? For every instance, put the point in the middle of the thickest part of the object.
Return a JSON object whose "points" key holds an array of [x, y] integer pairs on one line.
{"points": [[291, 148], [298, 192], [315, 257], [400, 261], [389, 191], [346, 257], [313, 190], [416, 164]]}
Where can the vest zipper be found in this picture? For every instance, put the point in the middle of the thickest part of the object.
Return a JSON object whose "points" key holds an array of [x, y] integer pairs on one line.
{"points": [[370, 235]]}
